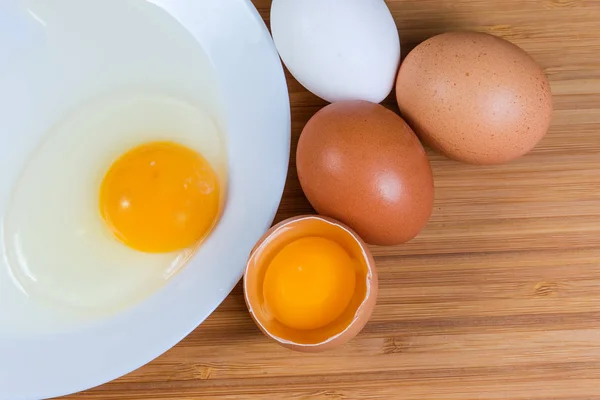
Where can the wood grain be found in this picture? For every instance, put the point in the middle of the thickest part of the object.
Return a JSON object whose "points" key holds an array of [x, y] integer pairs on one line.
{"points": [[498, 299]]}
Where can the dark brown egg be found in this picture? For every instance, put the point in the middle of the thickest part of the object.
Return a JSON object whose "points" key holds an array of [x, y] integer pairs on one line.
{"points": [[474, 97], [361, 164]]}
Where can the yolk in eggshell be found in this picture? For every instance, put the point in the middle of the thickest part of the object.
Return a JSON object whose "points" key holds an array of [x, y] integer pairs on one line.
{"points": [[160, 197], [309, 283]]}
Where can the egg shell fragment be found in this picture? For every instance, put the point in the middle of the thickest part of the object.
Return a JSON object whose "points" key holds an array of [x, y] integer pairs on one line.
{"points": [[338, 49], [475, 97], [360, 309], [360, 163]]}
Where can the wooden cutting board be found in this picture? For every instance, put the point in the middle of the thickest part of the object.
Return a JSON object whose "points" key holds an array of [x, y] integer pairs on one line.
{"points": [[499, 298]]}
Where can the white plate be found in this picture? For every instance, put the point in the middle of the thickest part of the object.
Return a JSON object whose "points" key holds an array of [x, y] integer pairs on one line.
{"points": [[255, 114]]}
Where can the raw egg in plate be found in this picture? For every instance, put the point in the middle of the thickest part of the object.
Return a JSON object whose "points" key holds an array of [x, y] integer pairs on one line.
{"points": [[139, 165], [114, 201], [311, 284]]}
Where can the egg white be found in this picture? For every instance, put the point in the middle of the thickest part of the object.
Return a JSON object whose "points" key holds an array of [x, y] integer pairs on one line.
{"points": [[57, 246]]}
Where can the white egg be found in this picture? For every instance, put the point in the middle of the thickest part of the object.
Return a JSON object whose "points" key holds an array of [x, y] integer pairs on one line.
{"points": [[58, 248], [338, 49]]}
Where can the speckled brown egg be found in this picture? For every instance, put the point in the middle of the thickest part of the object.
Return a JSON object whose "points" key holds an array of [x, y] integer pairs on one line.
{"points": [[361, 164], [474, 97]]}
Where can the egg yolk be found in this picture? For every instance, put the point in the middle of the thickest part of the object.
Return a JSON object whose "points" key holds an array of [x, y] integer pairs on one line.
{"points": [[309, 283], [160, 197]]}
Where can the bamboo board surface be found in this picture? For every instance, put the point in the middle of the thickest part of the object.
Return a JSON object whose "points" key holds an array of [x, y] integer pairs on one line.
{"points": [[499, 298]]}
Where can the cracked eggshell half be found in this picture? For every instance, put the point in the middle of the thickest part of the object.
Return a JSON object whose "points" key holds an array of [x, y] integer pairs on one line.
{"points": [[326, 335]]}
